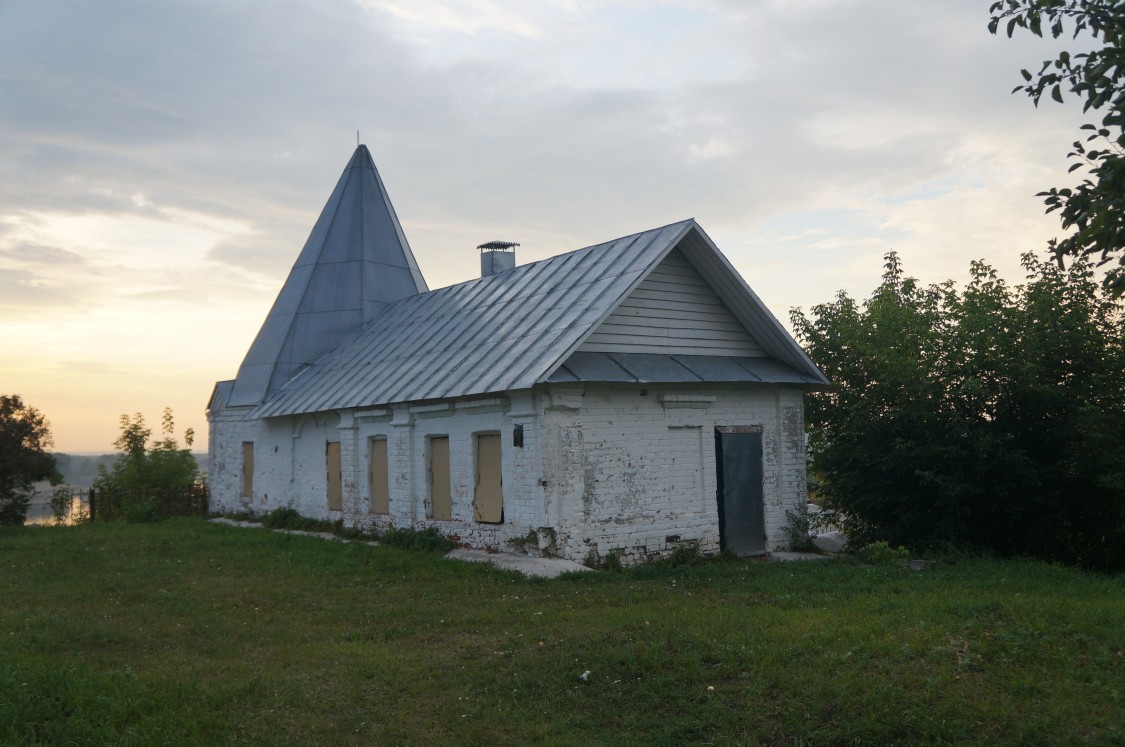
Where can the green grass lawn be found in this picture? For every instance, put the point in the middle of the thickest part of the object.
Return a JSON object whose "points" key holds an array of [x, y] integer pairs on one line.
{"points": [[186, 632]]}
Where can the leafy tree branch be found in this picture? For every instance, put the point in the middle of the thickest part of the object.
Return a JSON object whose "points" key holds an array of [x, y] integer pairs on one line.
{"points": [[1095, 208]]}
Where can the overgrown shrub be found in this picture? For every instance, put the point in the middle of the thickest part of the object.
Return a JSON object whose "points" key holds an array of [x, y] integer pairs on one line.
{"points": [[149, 481], [990, 417]]}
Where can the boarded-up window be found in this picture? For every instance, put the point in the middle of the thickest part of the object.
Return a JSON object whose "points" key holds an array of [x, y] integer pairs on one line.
{"points": [[488, 500], [335, 481], [377, 476], [441, 501], [247, 469]]}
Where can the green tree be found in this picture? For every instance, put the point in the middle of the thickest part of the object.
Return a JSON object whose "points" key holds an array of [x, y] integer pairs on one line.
{"points": [[24, 437], [149, 480], [992, 417], [1095, 208]]}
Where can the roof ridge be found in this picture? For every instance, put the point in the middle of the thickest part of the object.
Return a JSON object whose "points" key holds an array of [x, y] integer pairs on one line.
{"points": [[555, 257]]}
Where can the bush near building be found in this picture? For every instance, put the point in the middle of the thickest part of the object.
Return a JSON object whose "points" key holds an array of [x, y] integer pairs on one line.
{"points": [[149, 482], [990, 417]]}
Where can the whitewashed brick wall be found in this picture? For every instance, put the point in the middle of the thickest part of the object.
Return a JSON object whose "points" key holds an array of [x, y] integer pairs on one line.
{"points": [[603, 468], [228, 429], [289, 462], [635, 474], [408, 428]]}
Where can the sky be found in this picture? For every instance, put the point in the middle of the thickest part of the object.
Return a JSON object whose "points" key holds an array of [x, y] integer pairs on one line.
{"points": [[161, 163]]}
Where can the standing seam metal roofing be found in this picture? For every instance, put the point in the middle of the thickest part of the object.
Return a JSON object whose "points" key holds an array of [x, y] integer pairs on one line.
{"points": [[515, 329], [356, 260]]}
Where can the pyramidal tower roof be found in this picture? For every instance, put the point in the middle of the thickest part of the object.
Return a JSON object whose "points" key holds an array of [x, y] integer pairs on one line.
{"points": [[355, 262]]}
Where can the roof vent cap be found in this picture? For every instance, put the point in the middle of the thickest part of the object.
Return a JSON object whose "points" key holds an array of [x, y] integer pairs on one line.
{"points": [[497, 256]]}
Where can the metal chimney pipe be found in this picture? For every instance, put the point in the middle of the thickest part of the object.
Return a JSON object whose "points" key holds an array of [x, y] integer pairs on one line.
{"points": [[497, 256]]}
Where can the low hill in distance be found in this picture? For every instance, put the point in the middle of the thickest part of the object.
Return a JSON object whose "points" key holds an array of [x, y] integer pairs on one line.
{"points": [[80, 470]]}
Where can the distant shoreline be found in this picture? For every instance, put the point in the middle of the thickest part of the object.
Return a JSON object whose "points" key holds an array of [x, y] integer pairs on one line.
{"points": [[80, 469], [104, 453]]}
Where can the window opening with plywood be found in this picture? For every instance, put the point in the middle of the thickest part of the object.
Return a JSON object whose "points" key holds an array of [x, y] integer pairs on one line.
{"points": [[335, 482], [378, 476], [247, 469], [441, 499], [488, 497]]}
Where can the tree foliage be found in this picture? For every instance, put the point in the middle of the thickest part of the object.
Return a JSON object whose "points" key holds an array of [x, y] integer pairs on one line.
{"points": [[1095, 208], [24, 437], [147, 478], [992, 417]]}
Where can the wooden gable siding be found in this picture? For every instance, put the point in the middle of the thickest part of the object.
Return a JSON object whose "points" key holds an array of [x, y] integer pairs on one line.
{"points": [[673, 311]]}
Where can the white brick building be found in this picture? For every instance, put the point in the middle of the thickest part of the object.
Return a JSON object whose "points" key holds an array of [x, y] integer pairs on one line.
{"points": [[625, 398]]}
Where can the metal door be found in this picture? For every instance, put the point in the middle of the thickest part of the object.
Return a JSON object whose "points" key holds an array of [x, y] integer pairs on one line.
{"points": [[441, 500], [742, 520], [488, 500]]}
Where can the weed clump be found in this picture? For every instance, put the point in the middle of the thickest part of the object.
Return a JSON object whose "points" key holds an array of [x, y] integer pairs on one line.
{"points": [[684, 555], [426, 540], [523, 544], [800, 529], [542, 542], [881, 553], [611, 561], [351, 533], [289, 518]]}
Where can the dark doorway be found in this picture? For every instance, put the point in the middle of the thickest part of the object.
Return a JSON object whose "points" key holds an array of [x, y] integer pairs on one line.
{"points": [[742, 519]]}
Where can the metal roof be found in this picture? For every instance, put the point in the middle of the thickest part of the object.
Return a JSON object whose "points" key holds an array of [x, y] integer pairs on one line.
{"points": [[518, 328], [220, 394], [355, 262], [648, 368]]}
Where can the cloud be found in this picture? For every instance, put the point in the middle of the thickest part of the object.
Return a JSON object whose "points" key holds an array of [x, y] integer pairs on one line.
{"points": [[774, 114], [88, 367], [161, 162], [466, 17], [27, 253], [265, 255], [29, 293]]}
